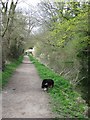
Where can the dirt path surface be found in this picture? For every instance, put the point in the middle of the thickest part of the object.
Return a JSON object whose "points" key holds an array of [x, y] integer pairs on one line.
{"points": [[23, 97], [0, 105]]}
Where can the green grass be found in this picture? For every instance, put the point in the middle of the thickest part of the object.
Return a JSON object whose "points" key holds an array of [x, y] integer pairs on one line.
{"points": [[10, 68], [63, 97]]}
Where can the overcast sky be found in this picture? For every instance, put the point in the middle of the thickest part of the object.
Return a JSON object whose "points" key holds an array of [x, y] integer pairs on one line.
{"points": [[26, 3]]}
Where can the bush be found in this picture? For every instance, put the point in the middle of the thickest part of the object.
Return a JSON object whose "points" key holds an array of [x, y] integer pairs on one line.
{"points": [[10, 68]]}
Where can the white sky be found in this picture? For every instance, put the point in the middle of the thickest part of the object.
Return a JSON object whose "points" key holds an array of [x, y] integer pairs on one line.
{"points": [[24, 4]]}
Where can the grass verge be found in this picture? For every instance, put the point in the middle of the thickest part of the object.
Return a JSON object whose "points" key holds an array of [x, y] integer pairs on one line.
{"points": [[10, 68], [65, 101]]}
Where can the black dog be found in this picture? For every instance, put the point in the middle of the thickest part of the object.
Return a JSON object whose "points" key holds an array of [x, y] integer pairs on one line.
{"points": [[47, 83]]}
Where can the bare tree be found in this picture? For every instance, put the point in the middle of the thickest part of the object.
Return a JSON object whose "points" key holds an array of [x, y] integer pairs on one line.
{"points": [[50, 12], [7, 21], [7, 13], [31, 23]]}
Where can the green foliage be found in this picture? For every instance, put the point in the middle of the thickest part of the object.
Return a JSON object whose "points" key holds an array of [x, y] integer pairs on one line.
{"points": [[13, 37], [67, 49], [16, 51], [64, 98], [10, 68]]}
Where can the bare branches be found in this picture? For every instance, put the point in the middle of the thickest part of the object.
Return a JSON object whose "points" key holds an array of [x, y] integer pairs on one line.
{"points": [[50, 12], [8, 14]]}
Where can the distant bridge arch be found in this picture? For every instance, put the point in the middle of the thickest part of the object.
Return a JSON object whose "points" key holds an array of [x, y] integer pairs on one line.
{"points": [[29, 51]]}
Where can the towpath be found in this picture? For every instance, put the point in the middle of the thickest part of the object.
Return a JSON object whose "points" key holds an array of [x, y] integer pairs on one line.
{"points": [[23, 96]]}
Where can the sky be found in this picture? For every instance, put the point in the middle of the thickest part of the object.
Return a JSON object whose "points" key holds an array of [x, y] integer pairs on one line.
{"points": [[27, 3], [24, 4]]}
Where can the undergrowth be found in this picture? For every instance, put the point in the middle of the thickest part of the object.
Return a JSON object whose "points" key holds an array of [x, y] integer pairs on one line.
{"points": [[9, 69], [65, 101]]}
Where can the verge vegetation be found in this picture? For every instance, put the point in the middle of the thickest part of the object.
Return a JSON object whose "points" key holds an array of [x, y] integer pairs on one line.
{"points": [[9, 69], [65, 101], [67, 53]]}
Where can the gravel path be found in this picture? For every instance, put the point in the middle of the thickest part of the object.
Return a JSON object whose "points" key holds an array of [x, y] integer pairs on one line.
{"points": [[0, 105], [23, 96]]}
